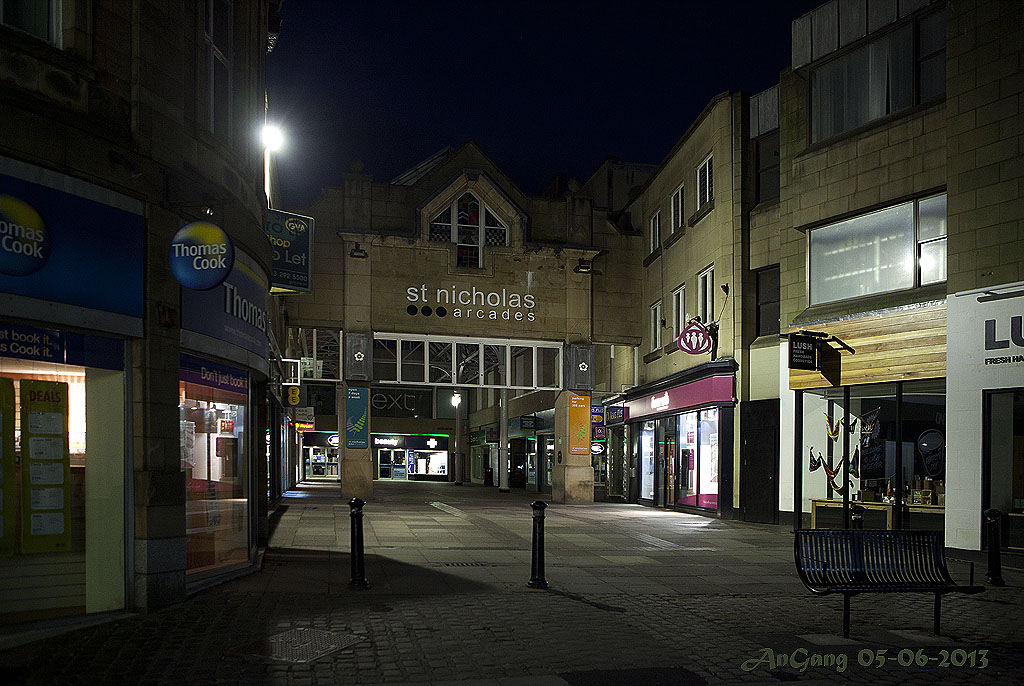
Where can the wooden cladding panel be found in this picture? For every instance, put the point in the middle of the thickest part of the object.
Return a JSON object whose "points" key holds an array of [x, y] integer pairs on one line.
{"points": [[896, 346]]}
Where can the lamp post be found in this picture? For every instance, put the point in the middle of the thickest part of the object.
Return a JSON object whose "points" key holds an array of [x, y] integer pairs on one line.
{"points": [[456, 402]]}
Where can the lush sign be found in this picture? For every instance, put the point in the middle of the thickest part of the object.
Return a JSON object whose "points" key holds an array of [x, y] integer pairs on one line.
{"points": [[291, 239], [201, 255], [803, 352]]}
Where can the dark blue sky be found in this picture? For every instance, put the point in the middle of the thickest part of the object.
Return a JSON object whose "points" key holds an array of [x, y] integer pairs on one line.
{"points": [[543, 87]]}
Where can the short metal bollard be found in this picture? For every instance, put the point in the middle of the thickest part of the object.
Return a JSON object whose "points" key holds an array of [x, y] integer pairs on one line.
{"points": [[857, 517], [358, 580], [537, 579], [994, 577]]}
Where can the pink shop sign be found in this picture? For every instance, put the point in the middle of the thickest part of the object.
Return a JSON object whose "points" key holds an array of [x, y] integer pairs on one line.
{"points": [[715, 389]]}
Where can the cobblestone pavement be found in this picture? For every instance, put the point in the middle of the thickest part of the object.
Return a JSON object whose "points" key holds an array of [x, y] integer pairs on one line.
{"points": [[637, 596]]}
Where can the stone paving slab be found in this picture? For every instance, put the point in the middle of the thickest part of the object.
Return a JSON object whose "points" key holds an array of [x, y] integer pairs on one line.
{"points": [[727, 608]]}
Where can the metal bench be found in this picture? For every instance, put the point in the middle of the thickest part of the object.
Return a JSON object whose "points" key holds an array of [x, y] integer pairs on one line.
{"points": [[851, 561]]}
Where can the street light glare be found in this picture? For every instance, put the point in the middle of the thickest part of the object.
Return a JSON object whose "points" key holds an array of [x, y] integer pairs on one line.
{"points": [[273, 138], [456, 399]]}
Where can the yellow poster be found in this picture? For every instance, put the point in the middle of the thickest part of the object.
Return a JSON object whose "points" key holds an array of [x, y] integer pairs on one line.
{"points": [[45, 467], [8, 513], [579, 425]]}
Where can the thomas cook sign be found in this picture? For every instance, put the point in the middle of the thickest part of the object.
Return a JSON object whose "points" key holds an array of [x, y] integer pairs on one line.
{"points": [[201, 255]]}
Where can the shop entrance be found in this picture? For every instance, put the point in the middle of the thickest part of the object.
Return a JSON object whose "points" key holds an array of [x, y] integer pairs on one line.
{"points": [[1004, 452]]}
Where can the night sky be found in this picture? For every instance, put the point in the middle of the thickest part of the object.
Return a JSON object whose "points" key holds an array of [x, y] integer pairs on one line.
{"points": [[543, 87]]}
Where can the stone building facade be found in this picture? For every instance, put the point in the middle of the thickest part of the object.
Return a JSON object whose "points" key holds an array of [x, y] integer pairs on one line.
{"points": [[122, 123]]}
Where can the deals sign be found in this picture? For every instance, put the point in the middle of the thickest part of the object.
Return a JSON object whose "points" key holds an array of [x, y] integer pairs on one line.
{"points": [[579, 425], [45, 467], [201, 255], [291, 239]]}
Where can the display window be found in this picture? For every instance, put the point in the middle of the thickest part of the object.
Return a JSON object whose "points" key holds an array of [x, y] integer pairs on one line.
{"points": [[647, 444], [213, 412], [881, 445], [62, 498], [696, 463]]}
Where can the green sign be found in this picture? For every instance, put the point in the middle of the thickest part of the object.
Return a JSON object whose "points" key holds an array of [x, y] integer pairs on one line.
{"points": [[357, 417]]}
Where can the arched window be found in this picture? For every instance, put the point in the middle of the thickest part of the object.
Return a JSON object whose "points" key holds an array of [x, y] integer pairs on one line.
{"points": [[473, 227]]}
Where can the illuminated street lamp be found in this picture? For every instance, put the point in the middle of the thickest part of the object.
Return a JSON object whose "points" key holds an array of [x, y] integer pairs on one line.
{"points": [[273, 140], [456, 401]]}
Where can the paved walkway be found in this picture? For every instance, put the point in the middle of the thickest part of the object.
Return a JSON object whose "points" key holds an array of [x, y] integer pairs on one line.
{"points": [[638, 596]]}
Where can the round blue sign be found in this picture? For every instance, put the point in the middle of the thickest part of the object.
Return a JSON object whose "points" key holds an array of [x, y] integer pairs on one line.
{"points": [[24, 240], [201, 255], [332, 440]]}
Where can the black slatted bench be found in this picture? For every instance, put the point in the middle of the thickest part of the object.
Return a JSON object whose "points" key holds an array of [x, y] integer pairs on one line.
{"points": [[851, 561]]}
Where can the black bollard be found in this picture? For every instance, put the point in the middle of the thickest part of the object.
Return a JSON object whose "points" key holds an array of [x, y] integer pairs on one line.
{"points": [[994, 577], [537, 579], [358, 580], [857, 517]]}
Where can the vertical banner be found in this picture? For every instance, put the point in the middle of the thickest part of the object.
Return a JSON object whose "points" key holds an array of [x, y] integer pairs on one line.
{"points": [[357, 417], [579, 425], [45, 467], [8, 515]]}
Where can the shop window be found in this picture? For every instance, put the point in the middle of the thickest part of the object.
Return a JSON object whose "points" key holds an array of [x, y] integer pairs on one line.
{"points": [[320, 353], [441, 362], [647, 460], [678, 311], [879, 78], [895, 248], [213, 427], [475, 225], [654, 231], [678, 222], [62, 501], [385, 359], [896, 436], [705, 183], [39, 18], [655, 332], [696, 467], [768, 301], [494, 365], [219, 58], [522, 366], [706, 305]]}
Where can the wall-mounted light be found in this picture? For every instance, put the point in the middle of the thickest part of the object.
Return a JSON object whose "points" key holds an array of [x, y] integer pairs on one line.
{"points": [[584, 266], [358, 253]]}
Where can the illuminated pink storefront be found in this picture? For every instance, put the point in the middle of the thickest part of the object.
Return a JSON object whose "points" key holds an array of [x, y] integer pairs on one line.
{"points": [[682, 429]]}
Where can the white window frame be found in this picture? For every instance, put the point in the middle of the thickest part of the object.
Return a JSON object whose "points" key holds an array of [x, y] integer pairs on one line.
{"points": [[508, 343], [654, 226], [677, 210], [678, 310], [54, 23], [707, 166], [706, 293], [481, 228], [656, 326]]}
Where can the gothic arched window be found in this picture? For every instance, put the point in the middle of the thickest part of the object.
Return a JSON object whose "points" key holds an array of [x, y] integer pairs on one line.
{"points": [[474, 226]]}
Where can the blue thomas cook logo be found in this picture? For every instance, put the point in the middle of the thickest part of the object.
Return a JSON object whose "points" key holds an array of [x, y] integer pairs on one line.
{"points": [[24, 240], [201, 255]]}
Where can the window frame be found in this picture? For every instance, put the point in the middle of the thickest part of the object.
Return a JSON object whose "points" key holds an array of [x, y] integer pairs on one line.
{"points": [[452, 207], [54, 24], [915, 62], [678, 208], [706, 295], [214, 56], [708, 197], [916, 244], [760, 329], [654, 227], [655, 329], [678, 310]]}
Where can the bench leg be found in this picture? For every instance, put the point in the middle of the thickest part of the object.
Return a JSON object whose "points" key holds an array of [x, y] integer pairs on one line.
{"points": [[938, 611], [846, 615]]}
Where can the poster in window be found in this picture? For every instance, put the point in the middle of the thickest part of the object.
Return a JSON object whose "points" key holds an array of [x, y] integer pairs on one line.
{"points": [[7, 494], [46, 460]]}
